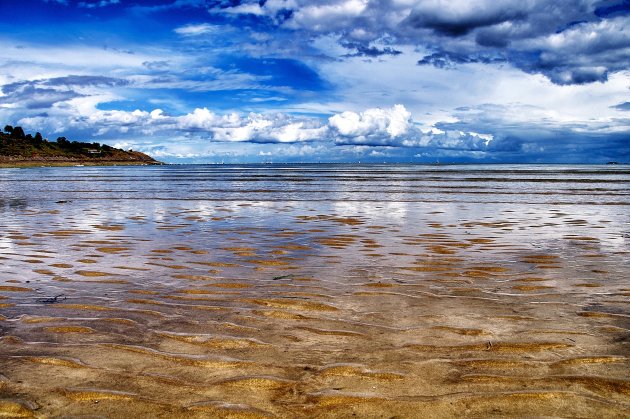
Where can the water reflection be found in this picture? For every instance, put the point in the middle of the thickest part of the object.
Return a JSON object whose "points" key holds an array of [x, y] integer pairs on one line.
{"points": [[342, 294]]}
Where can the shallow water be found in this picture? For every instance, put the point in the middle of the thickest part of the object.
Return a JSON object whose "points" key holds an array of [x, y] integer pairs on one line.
{"points": [[315, 290]]}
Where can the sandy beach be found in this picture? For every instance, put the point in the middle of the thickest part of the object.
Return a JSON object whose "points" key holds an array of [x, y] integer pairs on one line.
{"points": [[261, 292]]}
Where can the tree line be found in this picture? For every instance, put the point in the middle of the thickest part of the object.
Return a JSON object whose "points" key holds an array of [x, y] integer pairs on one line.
{"points": [[17, 133]]}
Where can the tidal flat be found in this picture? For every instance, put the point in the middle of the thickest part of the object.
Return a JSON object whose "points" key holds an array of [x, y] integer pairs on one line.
{"points": [[315, 291]]}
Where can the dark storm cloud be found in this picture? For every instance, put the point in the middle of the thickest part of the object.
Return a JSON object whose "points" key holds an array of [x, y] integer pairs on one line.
{"points": [[445, 59], [613, 8], [368, 50], [568, 41], [454, 23]]}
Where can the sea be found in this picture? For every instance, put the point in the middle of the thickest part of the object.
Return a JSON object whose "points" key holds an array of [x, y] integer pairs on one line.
{"points": [[315, 290]]}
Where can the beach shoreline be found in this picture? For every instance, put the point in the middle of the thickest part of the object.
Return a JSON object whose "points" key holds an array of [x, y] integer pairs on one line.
{"points": [[186, 292]]}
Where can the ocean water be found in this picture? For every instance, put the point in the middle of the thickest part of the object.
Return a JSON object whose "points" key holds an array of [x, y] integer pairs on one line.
{"points": [[315, 290]]}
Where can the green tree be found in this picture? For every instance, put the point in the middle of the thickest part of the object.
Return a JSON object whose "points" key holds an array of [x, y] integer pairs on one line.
{"points": [[8, 129], [18, 132], [38, 137]]}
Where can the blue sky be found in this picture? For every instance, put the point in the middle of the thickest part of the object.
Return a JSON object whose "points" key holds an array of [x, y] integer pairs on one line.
{"points": [[210, 81]]}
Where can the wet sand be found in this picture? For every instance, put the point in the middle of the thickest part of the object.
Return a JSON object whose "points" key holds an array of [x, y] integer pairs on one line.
{"points": [[256, 308]]}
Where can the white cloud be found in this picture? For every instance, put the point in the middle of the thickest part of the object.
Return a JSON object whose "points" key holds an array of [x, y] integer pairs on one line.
{"points": [[379, 124], [194, 30], [95, 4], [326, 17]]}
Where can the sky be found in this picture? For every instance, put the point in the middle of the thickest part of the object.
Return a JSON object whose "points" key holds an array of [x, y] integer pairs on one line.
{"points": [[243, 81]]}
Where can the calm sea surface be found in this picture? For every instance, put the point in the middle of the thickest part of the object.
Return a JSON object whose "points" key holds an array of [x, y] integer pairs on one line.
{"points": [[315, 291], [527, 184]]}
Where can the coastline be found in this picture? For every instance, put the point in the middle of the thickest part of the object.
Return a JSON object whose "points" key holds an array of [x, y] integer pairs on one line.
{"points": [[328, 292], [27, 163]]}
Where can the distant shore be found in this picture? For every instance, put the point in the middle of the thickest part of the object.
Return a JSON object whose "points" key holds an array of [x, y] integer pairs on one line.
{"points": [[18, 149], [8, 163]]}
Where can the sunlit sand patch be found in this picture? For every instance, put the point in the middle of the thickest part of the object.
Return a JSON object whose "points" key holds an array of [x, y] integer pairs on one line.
{"points": [[43, 271], [87, 261], [239, 249], [338, 399], [66, 233], [216, 264], [60, 265], [182, 248], [493, 347], [277, 314], [491, 269], [347, 370], [428, 268], [33, 261], [194, 291], [212, 341], [291, 304], [228, 410], [461, 331], [10, 288], [100, 242], [69, 329], [338, 241], [199, 252], [580, 238], [597, 384], [532, 279], [590, 360], [379, 285], [144, 301], [531, 287], [13, 409], [481, 241], [540, 258], [112, 250], [215, 298], [93, 273], [257, 383], [268, 262], [345, 333], [489, 363], [17, 237], [162, 251], [57, 361], [301, 294], [89, 395], [184, 359]]}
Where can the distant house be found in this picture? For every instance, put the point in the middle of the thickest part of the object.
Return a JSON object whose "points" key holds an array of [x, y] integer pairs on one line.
{"points": [[93, 151]]}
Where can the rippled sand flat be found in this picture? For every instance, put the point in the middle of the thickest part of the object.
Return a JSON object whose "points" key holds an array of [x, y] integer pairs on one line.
{"points": [[350, 291]]}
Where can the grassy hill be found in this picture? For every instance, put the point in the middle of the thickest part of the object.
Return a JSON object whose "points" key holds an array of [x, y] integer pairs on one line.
{"points": [[20, 149]]}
